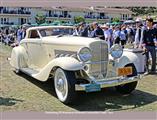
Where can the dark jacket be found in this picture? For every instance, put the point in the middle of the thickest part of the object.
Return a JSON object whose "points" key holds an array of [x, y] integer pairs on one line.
{"points": [[98, 32], [84, 32], [148, 36]]}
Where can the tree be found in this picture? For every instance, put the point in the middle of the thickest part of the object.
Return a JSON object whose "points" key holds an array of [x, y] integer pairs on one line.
{"points": [[79, 19], [115, 20], [143, 10], [40, 18]]}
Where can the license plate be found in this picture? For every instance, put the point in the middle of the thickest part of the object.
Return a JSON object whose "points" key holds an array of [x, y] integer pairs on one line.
{"points": [[124, 71], [93, 87]]}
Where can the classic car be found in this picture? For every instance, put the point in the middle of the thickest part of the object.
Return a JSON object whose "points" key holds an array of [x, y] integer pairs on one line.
{"points": [[76, 63]]}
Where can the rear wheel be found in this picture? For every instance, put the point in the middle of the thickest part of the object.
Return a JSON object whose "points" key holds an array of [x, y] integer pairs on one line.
{"points": [[64, 83], [128, 87]]}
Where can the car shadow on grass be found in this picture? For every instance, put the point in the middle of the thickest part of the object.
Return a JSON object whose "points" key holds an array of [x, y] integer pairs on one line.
{"points": [[46, 86], [107, 99], [9, 101]]}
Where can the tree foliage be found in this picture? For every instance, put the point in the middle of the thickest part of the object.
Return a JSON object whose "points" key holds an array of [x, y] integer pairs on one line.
{"points": [[143, 10], [78, 19], [116, 20], [40, 18]]}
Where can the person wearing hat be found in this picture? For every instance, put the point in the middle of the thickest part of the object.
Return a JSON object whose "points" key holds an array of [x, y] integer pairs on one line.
{"points": [[123, 35], [149, 39], [83, 29], [116, 34], [107, 34], [130, 34], [138, 33]]}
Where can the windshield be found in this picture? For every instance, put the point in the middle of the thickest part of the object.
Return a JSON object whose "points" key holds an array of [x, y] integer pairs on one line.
{"points": [[56, 31]]}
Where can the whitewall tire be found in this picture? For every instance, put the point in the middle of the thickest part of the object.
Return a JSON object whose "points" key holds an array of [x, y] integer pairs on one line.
{"points": [[64, 83]]}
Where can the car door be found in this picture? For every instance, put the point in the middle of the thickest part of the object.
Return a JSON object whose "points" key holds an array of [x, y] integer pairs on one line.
{"points": [[35, 50]]}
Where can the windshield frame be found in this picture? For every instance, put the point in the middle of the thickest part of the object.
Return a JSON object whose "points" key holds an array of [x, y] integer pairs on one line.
{"points": [[71, 29]]}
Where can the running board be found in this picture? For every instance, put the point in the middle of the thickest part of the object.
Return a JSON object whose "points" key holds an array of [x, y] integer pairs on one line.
{"points": [[29, 71]]}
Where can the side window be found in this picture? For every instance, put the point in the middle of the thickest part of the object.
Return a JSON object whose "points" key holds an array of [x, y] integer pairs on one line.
{"points": [[33, 34], [43, 33]]}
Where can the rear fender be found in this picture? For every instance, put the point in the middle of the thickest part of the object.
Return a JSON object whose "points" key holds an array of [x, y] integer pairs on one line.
{"points": [[18, 57]]}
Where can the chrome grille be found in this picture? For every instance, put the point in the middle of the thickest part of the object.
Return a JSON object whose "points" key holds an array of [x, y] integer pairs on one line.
{"points": [[99, 59]]}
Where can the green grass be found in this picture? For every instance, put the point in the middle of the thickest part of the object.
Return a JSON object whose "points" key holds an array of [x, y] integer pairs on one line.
{"points": [[23, 93]]}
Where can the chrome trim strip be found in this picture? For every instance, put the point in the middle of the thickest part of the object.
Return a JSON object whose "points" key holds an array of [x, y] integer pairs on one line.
{"points": [[64, 52]]}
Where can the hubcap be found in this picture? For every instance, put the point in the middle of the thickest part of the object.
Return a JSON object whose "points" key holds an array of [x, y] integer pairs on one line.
{"points": [[61, 85]]}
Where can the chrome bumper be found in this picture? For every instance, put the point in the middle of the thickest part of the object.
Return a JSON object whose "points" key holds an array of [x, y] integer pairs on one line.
{"points": [[108, 83]]}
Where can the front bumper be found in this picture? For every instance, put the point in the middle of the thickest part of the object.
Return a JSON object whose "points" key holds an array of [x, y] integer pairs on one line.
{"points": [[106, 83]]}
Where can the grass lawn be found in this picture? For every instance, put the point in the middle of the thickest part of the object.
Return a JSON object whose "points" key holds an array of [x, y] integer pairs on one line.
{"points": [[23, 93]]}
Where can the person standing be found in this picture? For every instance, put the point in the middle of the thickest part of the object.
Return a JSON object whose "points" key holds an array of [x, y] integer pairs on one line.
{"points": [[107, 35], [123, 36], [83, 29], [116, 35], [98, 32], [138, 33], [23, 32], [19, 35], [130, 34], [149, 41]]}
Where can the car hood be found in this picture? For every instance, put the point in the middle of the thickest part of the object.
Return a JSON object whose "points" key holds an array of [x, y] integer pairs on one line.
{"points": [[70, 40]]}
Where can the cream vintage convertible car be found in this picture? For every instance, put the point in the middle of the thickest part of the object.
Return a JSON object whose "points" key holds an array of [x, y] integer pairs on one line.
{"points": [[76, 63]]}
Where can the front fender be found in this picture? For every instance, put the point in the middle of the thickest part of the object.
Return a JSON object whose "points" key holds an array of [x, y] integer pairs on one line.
{"points": [[130, 57], [18, 57], [66, 63]]}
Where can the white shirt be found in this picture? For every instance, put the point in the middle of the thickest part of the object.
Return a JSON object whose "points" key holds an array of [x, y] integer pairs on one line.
{"points": [[122, 35], [107, 35]]}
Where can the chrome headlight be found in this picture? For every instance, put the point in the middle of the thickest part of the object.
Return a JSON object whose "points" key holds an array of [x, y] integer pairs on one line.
{"points": [[116, 51], [84, 54]]}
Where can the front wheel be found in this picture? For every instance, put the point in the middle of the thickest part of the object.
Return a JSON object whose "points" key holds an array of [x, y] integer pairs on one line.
{"points": [[128, 87], [64, 83]]}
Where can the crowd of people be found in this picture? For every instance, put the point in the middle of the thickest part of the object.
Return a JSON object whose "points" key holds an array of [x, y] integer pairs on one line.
{"points": [[118, 34], [12, 37], [142, 35]]}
